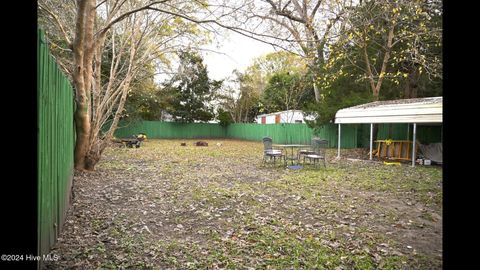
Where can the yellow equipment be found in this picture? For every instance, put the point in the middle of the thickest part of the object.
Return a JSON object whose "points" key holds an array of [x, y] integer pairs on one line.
{"points": [[392, 163]]}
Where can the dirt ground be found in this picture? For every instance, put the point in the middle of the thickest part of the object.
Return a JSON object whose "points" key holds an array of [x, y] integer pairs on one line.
{"points": [[166, 206]]}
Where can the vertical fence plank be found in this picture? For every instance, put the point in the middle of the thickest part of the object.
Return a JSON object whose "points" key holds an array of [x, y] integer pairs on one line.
{"points": [[55, 147]]}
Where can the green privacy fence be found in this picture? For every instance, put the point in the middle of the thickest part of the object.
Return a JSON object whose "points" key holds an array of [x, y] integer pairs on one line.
{"points": [[280, 133], [399, 131], [293, 133], [349, 135], [425, 133], [353, 135], [170, 130], [55, 146]]}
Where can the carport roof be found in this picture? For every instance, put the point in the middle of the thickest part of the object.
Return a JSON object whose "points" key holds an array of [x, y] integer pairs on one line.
{"points": [[415, 110]]}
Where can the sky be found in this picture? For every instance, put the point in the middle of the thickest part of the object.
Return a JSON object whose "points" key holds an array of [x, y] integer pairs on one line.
{"points": [[234, 52]]}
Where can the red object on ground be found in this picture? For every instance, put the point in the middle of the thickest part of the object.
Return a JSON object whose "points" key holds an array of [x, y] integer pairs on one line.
{"points": [[200, 143]]}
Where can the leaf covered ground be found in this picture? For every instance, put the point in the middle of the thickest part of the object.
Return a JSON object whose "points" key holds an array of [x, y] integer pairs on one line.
{"points": [[166, 206]]}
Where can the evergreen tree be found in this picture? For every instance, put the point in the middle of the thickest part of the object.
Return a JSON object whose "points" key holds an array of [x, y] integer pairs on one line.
{"points": [[191, 90]]}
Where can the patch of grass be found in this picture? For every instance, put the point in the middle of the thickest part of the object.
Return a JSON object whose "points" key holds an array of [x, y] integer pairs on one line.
{"points": [[238, 214], [284, 249], [424, 183]]}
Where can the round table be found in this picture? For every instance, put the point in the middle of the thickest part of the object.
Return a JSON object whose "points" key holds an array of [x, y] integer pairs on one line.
{"points": [[293, 156]]}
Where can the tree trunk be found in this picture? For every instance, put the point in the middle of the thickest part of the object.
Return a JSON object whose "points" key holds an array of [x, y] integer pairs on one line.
{"points": [[386, 57], [316, 73], [83, 32], [82, 129], [316, 91], [411, 85], [93, 156]]}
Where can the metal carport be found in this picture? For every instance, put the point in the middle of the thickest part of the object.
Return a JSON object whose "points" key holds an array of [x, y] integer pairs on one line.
{"points": [[412, 111]]}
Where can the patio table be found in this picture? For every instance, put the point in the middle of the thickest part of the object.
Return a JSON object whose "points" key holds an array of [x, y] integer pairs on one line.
{"points": [[293, 156]]}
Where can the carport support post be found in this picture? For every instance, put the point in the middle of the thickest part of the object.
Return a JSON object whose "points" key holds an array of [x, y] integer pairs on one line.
{"points": [[413, 145], [371, 140], [339, 133]]}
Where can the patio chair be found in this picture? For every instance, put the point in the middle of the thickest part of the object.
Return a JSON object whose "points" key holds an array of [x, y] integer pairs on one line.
{"points": [[309, 150], [269, 152], [319, 148]]}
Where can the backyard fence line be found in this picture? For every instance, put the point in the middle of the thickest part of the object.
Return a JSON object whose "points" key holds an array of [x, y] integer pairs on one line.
{"points": [[55, 147], [291, 133], [280, 133], [353, 135], [170, 130]]}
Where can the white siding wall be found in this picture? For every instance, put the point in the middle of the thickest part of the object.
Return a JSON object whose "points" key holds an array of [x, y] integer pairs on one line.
{"points": [[285, 117], [270, 119], [291, 117]]}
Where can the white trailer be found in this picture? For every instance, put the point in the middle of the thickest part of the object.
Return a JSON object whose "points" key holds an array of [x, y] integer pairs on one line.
{"points": [[290, 116]]}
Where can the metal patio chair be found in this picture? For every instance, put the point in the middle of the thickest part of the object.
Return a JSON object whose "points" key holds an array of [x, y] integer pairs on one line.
{"points": [[319, 149], [309, 150], [269, 152]]}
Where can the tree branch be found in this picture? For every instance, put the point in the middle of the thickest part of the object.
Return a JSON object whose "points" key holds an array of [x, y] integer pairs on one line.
{"points": [[57, 21]]}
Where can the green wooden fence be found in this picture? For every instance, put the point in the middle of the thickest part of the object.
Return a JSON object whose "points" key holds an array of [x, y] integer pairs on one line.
{"points": [[170, 130], [425, 133], [293, 133], [353, 135], [280, 133], [55, 146]]}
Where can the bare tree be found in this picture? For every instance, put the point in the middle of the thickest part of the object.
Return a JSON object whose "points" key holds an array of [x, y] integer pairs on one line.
{"points": [[241, 99], [303, 27], [131, 30]]}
